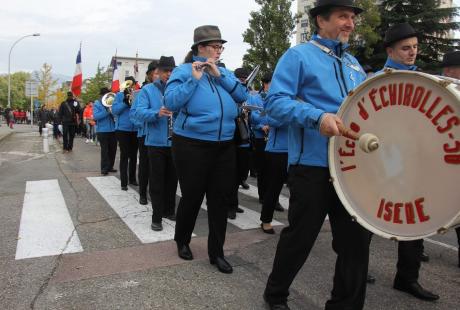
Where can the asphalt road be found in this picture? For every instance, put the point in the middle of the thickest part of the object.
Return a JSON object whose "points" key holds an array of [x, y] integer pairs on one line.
{"points": [[109, 261]]}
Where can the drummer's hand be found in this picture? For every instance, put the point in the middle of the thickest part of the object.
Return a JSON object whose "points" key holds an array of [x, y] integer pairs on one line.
{"points": [[330, 125], [266, 128], [164, 112]]}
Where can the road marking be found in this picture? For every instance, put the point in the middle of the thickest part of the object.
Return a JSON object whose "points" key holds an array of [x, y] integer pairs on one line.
{"points": [[46, 227], [252, 192], [448, 246], [247, 220], [137, 217]]}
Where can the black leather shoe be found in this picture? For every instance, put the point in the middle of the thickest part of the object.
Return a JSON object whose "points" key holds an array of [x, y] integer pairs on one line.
{"points": [[278, 207], [269, 231], [273, 306], [134, 183], [104, 173], [239, 210], [370, 279], [244, 185], [221, 264], [124, 188], [184, 252], [143, 200], [171, 217], [424, 257], [231, 215], [113, 170], [156, 226], [416, 290]]}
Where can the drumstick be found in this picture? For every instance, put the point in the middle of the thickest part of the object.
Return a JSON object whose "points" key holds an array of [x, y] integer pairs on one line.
{"points": [[347, 133]]}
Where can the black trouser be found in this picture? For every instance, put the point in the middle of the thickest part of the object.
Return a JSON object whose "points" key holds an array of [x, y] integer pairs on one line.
{"points": [[163, 182], [458, 240], [203, 168], [108, 144], [68, 133], [312, 198], [408, 266], [259, 160], [143, 172], [242, 169], [276, 176], [127, 140]]}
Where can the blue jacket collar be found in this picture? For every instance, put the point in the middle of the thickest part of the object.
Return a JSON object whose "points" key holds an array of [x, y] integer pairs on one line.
{"points": [[199, 58], [398, 66], [335, 45]]}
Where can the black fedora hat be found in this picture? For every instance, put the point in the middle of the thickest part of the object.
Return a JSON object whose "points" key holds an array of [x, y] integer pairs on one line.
{"points": [[242, 73], [323, 5], [166, 63], [398, 32], [451, 59], [206, 33], [152, 66]]}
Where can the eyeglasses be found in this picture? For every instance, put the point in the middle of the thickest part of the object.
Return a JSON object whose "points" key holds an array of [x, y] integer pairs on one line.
{"points": [[217, 47]]}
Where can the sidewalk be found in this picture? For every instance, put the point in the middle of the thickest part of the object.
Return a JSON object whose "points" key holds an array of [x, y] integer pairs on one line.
{"points": [[5, 131]]}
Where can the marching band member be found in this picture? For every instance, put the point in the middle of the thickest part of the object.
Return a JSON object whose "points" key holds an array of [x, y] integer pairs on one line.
{"points": [[126, 134], [163, 179], [205, 97], [105, 132], [451, 68], [401, 44], [320, 73]]}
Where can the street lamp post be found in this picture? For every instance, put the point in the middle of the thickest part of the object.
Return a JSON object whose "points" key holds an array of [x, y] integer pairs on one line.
{"points": [[9, 65]]}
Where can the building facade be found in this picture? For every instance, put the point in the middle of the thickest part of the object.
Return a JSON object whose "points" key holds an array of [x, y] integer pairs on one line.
{"points": [[126, 65]]}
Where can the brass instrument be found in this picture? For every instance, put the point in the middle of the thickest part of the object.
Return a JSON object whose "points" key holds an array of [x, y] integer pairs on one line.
{"points": [[107, 100], [127, 88]]}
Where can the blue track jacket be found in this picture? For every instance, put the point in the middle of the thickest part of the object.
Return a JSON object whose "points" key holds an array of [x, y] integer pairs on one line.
{"points": [[307, 83], [207, 107], [390, 63], [141, 126], [149, 102], [121, 112], [105, 122], [277, 137], [257, 121]]}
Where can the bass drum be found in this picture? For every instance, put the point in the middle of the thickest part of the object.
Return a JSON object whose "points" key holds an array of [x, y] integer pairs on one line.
{"points": [[401, 179]]}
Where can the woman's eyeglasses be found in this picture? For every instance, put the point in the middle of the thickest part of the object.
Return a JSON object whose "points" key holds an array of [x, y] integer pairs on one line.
{"points": [[217, 47]]}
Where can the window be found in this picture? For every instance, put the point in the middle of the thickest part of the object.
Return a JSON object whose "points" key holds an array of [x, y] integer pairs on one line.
{"points": [[303, 37], [304, 23]]}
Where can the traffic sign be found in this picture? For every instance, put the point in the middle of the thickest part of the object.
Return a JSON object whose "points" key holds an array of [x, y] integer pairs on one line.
{"points": [[31, 89]]}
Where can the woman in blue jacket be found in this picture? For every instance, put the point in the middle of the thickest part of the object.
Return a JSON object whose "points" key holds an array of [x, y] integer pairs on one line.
{"points": [[205, 97], [126, 133]]}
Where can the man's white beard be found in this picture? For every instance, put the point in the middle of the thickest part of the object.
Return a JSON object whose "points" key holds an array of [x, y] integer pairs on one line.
{"points": [[342, 38]]}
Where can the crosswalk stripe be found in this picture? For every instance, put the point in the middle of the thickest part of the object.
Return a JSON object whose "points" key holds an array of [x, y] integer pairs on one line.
{"points": [[46, 227], [136, 216], [252, 192], [247, 220]]}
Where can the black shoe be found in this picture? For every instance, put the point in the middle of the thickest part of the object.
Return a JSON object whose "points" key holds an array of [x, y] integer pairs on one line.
{"points": [[143, 200], [124, 188], [416, 290], [244, 185], [239, 210], [221, 264], [104, 173], [279, 306], [370, 279], [424, 257], [278, 207], [134, 183], [184, 252], [156, 226], [113, 170], [231, 215], [171, 217], [269, 231]]}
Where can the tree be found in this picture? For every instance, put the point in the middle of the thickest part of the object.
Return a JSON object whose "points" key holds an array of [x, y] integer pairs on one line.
{"points": [[94, 85], [434, 25], [365, 35], [46, 83], [268, 34], [18, 85]]}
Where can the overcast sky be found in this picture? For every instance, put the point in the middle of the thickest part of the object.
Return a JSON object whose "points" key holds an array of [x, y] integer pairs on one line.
{"points": [[152, 27]]}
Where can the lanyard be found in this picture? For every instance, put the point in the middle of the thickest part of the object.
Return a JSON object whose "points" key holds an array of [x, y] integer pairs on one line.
{"points": [[329, 52]]}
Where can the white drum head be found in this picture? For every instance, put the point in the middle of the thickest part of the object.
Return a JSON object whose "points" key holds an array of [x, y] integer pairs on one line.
{"points": [[409, 187]]}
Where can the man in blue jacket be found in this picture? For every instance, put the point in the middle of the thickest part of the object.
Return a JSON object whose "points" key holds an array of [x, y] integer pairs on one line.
{"points": [[310, 82], [105, 131], [401, 44]]}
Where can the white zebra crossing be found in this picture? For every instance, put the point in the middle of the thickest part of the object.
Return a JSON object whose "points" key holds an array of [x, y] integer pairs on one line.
{"points": [[252, 192], [46, 227], [136, 216]]}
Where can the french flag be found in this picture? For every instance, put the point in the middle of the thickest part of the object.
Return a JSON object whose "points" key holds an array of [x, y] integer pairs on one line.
{"points": [[115, 78], [78, 77], [136, 74]]}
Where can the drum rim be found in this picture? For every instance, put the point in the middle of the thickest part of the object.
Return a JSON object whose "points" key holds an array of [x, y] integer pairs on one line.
{"points": [[333, 171]]}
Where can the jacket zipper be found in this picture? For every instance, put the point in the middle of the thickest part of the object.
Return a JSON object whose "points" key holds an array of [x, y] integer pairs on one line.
{"points": [[302, 133], [343, 78], [185, 120], [221, 107], [338, 81], [274, 139]]}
